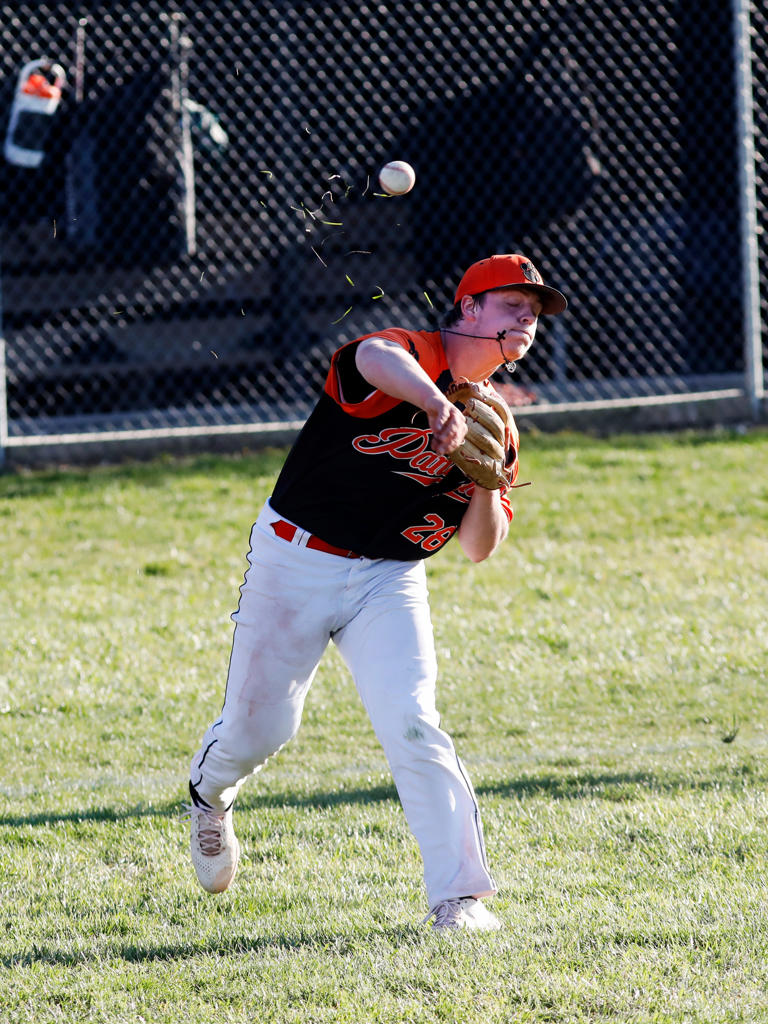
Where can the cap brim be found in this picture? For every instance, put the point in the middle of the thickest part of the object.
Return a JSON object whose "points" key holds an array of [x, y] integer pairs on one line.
{"points": [[552, 301]]}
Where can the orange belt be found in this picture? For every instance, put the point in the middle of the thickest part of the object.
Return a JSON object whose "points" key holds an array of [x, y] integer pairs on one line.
{"points": [[287, 531]]}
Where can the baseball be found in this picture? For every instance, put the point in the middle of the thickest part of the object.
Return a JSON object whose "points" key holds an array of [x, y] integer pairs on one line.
{"points": [[397, 177]]}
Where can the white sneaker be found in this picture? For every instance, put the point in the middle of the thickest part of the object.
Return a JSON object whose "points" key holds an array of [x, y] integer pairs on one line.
{"points": [[214, 847], [465, 912]]}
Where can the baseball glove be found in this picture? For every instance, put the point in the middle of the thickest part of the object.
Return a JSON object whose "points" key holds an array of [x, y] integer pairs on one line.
{"points": [[488, 454]]}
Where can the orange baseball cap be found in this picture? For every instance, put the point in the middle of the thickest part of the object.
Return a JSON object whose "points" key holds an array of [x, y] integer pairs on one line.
{"points": [[506, 271]]}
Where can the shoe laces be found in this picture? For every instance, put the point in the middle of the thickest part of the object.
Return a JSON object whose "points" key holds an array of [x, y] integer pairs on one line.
{"points": [[448, 913], [210, 828]]}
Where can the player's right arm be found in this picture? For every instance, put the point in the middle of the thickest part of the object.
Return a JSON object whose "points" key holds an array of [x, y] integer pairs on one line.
{"points": [[388, 367]]}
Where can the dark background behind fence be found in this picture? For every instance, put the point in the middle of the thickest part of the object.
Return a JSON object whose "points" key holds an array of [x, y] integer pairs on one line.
{"points": [[206, 226]]}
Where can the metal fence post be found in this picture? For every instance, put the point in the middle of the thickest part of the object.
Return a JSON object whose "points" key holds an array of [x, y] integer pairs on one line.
{"points": [[180, 48], [3, 406], [3, 391], [753, 347]]}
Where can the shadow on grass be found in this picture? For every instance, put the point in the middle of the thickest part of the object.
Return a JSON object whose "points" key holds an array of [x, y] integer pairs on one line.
{"points": [[618, 786], [92, 814], [235, 946], [607, 785], [174, 809], [612, 786]]}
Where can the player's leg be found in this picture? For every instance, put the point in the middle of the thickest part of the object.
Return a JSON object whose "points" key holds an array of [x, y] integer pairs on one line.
{"points": [[283, 625], [389, 648], [255, 723], [281, 631]]}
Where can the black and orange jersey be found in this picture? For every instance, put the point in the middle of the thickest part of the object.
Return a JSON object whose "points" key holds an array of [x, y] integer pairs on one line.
{"points": [[361, 474]]}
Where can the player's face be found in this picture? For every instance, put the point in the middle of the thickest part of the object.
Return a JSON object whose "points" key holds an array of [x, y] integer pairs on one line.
{"points": [[515, 311]]}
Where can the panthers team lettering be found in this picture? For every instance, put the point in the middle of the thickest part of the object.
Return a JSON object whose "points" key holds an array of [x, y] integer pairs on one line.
{"points": [[409, 444]]}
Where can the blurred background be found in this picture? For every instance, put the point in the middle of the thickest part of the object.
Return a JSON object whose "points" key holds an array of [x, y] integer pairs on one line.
{"points": [[190, 221]]}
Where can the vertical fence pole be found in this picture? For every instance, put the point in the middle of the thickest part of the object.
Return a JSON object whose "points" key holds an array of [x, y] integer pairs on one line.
{"points": [[753, 347], [3, 389], [3, 406], [180, 47]]}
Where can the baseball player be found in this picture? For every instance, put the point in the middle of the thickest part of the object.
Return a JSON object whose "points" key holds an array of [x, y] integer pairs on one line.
{"points": [[380, 478]]}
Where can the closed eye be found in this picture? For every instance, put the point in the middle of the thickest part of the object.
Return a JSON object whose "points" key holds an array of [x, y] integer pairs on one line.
{"points": [[535, 310]]}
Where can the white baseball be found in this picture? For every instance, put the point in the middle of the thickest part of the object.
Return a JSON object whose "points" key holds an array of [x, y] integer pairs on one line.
{"points": [[397, 177]]}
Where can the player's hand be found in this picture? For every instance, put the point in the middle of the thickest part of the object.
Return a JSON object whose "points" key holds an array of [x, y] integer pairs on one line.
{"points": [[448, 425]]}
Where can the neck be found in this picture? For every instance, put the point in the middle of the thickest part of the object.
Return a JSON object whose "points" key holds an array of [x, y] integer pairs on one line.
{"points": [[469, 354]]}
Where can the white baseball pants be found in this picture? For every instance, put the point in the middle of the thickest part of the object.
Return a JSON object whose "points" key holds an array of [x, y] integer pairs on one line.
{"points": [[293, 601]]}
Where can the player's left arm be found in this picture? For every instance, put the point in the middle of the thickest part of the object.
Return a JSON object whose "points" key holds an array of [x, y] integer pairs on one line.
{"points": [[484, 526]]}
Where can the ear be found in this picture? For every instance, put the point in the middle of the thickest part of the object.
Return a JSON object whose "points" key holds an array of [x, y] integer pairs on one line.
{"points": [[468, 307]]}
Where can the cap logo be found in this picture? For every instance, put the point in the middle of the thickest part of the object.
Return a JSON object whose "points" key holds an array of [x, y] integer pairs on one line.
{"points": [[531, 273]]}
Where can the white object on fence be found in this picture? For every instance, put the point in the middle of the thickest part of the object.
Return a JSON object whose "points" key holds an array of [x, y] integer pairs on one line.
{"points": [[37, 96]]}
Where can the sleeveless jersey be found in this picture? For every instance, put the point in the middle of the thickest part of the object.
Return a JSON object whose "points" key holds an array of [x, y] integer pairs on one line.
{"points": [[361, 474]]}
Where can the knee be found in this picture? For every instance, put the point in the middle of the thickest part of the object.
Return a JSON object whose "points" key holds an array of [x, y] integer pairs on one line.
{"points": [[250, 739], [418, 738]]}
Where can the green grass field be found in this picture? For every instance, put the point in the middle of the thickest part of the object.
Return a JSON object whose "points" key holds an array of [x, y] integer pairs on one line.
{"points": [[604, 678]]}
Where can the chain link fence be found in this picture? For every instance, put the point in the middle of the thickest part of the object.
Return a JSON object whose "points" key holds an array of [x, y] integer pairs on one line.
{"points": [[190, 220]]}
